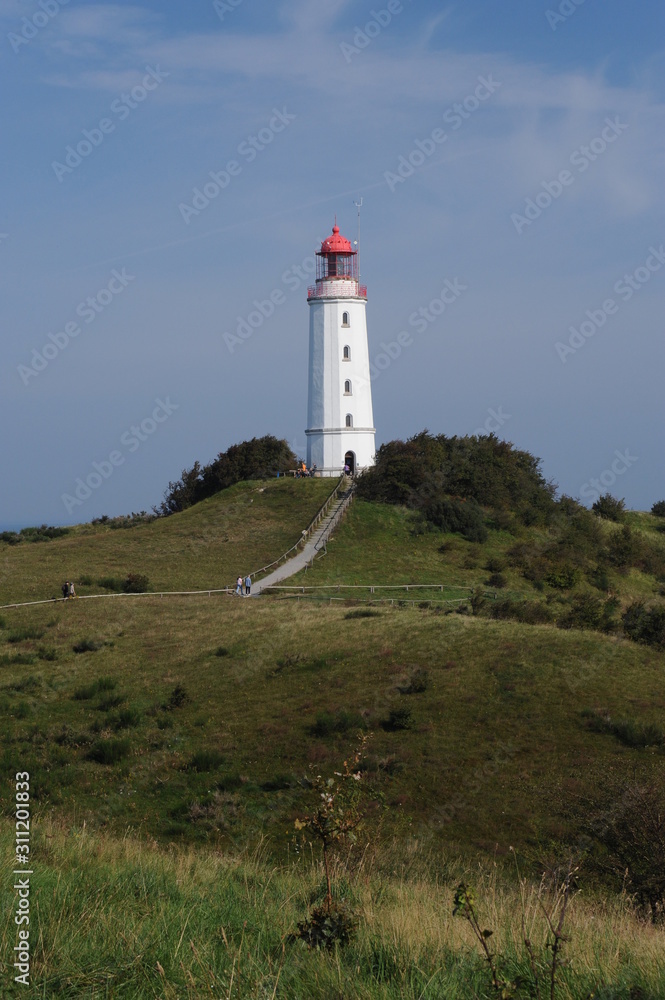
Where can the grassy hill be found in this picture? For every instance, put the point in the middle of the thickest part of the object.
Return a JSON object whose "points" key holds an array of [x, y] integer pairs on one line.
{"points": [[208, 545], [194, 721]]}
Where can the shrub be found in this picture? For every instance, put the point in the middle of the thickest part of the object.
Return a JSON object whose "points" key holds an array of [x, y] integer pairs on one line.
{"points": [[563, 578], [177, 698], [609, 508], [47, 653], [497, 580], [205, 760], [43, 534], [10, 537], [126, 719], [86, 581], [529, 612], [260, 458], [659, 508], [90, 690], [495, 565], [417, 682], [135, 583], [109, 751], [645, 625], [463, 517], [623, 548], [87, 646], [632, 832], [362, 613], [398, 719], [110, 583], [23, 634], [111, 701], [328, 925], [586, 612], [327, 723], [222, 651]]}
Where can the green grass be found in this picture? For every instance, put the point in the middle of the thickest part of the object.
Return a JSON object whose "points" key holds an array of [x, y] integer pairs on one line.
{"points": [[195, 721], [171, 925], [206, 546], [490, 686]]}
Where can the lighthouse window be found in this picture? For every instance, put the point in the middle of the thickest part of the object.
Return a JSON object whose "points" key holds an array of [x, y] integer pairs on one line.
{"points": [[347, 388], [347, 353], [345, 319], [349, 420]]}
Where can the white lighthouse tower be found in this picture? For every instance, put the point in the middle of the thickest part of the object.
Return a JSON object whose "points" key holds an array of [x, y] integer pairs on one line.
{"points": [[340, 426]]}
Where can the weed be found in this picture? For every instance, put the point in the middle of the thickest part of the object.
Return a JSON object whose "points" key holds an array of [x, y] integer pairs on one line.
{"points": [[205, 760], [327, 723], [87, 646], [97, 687], [109, 751], [24, 634], [362, 613]]}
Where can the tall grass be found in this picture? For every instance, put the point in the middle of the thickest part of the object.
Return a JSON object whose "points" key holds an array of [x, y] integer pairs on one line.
{"points": [[163, 923]]}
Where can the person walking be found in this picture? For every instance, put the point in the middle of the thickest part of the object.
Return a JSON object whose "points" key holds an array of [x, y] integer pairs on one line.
{"points": [[239, 586], [248, 585], [65, 590], [72, 592]]}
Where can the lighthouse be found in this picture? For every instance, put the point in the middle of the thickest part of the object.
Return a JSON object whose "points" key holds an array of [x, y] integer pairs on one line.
{"points": [[340, 425]]}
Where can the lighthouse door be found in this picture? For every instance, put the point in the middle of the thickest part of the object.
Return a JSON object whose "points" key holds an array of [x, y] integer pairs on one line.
{"points": [[350, 460]]}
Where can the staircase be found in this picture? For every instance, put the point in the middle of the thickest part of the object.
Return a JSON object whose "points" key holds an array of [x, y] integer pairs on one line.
{"points": [[315, 544]]}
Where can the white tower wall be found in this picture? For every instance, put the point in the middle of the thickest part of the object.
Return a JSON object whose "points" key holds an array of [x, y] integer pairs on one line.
{"points": [[330, 400]]}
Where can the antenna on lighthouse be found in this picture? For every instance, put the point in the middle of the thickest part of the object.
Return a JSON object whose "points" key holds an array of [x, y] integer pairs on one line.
{"points": [[358, 205]]}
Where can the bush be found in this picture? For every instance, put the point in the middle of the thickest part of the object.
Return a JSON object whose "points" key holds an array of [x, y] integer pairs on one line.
{"points": [[563, 578], [23, 634], [222, 651], [109, 751], [136, 583], [260, 458], [328, 926], [42, 534], [463, 517], [327, 723], [645, 625], [86, 581], [659, 508], [495, 565], [497, 580], [609, 508], [362, 613], [126, 719], [47, 653], [103, 684], [623, 548], [417, 682], [10, 537], [398, 719], [177, 698], [110, 583], [528, 612], [87, 646], [632, 833], [205, 760]]}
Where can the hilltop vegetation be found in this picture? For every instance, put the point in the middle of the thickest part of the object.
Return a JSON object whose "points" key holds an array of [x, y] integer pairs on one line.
{"points": [[260, 458], [511, 703]]}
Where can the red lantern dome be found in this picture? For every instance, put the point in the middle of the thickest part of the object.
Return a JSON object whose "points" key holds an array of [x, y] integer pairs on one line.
{"points": [[336, 243], [336, 269]]}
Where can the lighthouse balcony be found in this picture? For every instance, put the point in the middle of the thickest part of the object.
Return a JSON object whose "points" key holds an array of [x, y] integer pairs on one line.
{"points": [[337, 289]]}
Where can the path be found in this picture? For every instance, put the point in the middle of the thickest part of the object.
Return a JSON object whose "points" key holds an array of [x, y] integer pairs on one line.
{"points": [[312, 547]]}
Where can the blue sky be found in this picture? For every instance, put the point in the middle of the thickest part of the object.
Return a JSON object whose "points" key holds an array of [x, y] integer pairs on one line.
{"points": [[530, 142]]}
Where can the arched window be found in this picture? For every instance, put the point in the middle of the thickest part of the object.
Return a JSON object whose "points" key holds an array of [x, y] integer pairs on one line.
{"points": [[345, 319], [349, 420], [347, 387], [347, 353]]}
